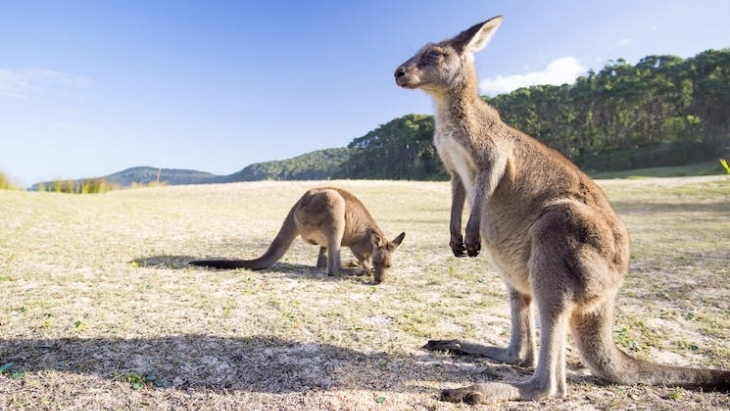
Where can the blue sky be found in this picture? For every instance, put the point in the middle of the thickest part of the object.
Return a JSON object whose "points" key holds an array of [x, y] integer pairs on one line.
{"points": [[88, 88]]}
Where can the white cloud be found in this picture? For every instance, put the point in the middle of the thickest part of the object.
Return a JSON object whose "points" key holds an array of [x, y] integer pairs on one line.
{"points": [[21, 83], [12, 85], [557, 72], [624, 42]]}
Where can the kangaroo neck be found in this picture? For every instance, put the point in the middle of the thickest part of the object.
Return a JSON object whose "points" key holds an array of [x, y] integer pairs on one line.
{"points": [[459, 107], [364, 228]]}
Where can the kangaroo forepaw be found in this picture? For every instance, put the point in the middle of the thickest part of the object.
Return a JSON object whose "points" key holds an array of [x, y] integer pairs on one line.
{"points": [[473, 242], [472, 249], [457, 246]]}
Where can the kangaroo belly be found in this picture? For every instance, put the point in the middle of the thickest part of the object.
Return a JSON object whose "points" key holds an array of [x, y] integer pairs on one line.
{"points": [[511, 264], [315, 237]]}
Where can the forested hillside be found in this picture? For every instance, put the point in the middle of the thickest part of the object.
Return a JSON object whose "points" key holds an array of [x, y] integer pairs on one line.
{"points": [[662, 111], [147, 175], [401, 149], [317, 165]]}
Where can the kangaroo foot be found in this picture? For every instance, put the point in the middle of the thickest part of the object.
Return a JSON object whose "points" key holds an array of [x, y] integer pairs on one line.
{"points": [[466, 395], [453, 347], [494, 392]]}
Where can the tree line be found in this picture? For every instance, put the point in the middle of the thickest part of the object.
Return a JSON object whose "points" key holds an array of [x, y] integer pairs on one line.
{"points": [[662, 111]]}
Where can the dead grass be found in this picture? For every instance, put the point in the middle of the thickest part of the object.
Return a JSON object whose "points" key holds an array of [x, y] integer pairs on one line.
{"points": [[99, 310]]}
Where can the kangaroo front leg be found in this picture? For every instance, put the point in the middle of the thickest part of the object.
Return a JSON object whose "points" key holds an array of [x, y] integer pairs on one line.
{"points": [[473, 239], [458, 197], [486, 182], [521, 348]]}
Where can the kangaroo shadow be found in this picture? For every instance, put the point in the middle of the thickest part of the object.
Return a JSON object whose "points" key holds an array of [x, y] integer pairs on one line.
{"points": [[291, 270], [256, 363], [172, 262]]}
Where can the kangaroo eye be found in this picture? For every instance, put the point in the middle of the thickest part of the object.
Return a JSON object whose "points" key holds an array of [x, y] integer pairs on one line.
{"points": [[434, 54]]}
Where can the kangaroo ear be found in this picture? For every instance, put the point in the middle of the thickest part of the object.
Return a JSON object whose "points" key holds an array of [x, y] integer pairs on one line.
{"points": [[477, 36], [376, 239], [398, 239]]}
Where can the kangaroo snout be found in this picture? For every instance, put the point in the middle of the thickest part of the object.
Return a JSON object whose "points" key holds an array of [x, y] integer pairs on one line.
{"points": [[400, 72], [402, 78]]}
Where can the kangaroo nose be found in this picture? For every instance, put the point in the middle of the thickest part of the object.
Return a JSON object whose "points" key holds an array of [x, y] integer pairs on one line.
{"points": [[400, 72]]}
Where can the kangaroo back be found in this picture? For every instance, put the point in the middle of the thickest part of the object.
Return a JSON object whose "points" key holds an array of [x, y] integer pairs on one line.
{"points": [[283, 240]]}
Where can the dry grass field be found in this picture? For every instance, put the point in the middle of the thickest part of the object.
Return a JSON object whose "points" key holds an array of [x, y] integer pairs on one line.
{"points": [[99, 309]]}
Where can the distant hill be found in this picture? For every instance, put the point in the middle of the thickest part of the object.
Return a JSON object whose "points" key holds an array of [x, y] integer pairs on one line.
{"points": [[317, 165], [145, 175]]}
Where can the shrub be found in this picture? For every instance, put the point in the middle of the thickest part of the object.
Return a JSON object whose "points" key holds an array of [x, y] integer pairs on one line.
{"points": [[6, 184], [87, 186]]}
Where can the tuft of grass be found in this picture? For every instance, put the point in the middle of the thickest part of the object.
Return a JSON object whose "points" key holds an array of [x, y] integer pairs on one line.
{"points": [[87, 186], [138, 381], [6, 184], [725, 165], [674, 395]]}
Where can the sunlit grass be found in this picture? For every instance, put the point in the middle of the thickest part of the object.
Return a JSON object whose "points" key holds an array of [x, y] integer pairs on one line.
{"points": [[702, 169], [101, 311]]}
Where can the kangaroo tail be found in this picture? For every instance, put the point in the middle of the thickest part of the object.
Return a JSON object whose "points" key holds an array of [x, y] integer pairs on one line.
{"points": [[277, 249], [593, 333]]}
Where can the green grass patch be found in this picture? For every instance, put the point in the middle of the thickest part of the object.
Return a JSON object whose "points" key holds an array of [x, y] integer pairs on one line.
{"points": [[702, 169]]}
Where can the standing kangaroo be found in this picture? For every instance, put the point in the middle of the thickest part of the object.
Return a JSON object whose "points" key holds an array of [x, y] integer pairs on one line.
{"points": [[330, 218], [547, 228]]}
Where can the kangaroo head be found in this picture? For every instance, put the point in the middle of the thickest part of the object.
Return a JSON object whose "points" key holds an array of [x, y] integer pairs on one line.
{"points": [[382, 255], [440, 67]]}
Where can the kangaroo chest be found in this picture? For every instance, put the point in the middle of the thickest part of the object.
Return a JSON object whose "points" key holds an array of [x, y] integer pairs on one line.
{"points": [[458, 160]]}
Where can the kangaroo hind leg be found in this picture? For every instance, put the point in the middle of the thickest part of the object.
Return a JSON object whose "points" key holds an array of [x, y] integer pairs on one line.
{"points": [[334, 260], [521, 349], [549, 376], [333, 225], [322, 258], [320, 216]]}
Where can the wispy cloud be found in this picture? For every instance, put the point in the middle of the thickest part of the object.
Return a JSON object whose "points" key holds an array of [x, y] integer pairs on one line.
{"points": [[13, 85], [557, 72], [21, 83], [624, 42]]}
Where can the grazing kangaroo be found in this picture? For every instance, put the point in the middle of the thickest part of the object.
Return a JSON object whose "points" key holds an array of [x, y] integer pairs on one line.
{"points": [[330, 218], [547, 227]]}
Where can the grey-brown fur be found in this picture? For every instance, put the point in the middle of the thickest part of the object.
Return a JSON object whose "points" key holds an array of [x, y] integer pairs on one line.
{"points": [[547, 228], [331, 218]]}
